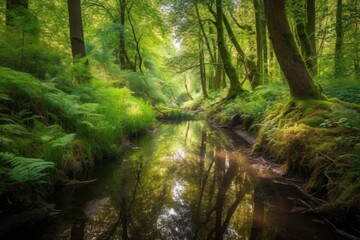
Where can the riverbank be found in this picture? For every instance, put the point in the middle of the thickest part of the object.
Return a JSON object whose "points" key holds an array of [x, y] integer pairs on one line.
{"points": [[317, 141], [52, 131], [186, 180]]}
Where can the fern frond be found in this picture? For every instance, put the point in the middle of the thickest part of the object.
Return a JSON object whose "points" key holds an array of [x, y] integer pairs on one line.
{"points": [[63, 141], [22, 169], [5, 97], [15, 129]]}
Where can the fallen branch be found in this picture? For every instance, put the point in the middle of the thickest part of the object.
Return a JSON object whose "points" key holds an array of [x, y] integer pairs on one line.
{"points": [[77, 182]]}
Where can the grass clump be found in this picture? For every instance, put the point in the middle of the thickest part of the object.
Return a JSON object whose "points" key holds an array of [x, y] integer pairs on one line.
{"points": [[319, 141]]}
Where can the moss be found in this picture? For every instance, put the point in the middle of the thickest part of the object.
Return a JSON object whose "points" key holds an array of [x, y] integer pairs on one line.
{"points": [[312, 121], [317, 140]]}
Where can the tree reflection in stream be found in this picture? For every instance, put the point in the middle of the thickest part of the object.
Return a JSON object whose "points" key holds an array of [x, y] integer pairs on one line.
{"points": [[186, 181]]}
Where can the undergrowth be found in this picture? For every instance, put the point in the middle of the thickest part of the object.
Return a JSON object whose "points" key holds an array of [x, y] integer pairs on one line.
{"points": [[61, 125], [246, 110], [319, 141]]}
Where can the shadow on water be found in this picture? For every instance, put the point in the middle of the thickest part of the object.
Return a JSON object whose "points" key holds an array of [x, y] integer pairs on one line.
{"points": [[185, 181]]}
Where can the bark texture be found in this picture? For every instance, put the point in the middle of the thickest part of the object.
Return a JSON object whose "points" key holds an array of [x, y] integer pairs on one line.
{"points": [[287, 52]]}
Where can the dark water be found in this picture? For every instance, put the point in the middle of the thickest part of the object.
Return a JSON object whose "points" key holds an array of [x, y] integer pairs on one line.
{"points": [[184, 181]]}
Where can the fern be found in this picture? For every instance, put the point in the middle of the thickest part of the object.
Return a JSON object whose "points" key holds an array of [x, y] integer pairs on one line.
{"points": [[21, 169], [63, 141], [14, 129]]}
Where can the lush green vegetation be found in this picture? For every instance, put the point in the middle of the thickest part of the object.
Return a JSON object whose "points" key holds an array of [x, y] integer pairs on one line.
{"points": [[43, 127], [285, 71]]}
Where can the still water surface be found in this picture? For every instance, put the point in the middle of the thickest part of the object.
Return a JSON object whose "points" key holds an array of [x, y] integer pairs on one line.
{"points": [[183, 181]]}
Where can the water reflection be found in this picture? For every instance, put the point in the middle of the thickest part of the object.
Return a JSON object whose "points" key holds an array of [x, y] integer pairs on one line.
{"points": [[186, 181]]}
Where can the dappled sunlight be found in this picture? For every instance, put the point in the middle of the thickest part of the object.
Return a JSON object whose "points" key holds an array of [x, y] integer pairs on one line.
{"points": [[181, 191]]}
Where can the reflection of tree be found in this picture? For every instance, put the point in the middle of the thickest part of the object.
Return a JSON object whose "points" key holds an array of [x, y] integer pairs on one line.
{"points": [[232, 172], [225, 178], [146, 186], [258, 214]]}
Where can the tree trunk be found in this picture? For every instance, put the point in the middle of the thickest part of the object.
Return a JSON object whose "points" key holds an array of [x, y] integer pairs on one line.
{"points": [[122, 50], [310, 28], [235, 87], [300, 11], [204, 33], [13, 5], [202, 68], [137, 42], [250, 67], [264, 39], [287, 52], [218, 73], [339, 66], [76, 29], [259, 40]]}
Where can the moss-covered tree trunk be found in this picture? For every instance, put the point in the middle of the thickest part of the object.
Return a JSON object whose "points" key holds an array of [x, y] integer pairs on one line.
{"points": [[288, 53], [235, 87], [252, 73], [259, 39], [218, 72]]}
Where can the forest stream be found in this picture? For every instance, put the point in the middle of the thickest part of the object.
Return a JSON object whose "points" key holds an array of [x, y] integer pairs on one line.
{"points": [[183, 181]]}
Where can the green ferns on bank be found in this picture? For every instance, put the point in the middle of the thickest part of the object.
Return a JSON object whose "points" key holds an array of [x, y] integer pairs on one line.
{"points": [[42, 126]]}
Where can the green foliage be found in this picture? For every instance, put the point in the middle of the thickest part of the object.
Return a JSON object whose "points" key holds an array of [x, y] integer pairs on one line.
{"points": [[21, 170], [146, 86], [343, 89], [68, 129], [29, 55], [251, 108]]}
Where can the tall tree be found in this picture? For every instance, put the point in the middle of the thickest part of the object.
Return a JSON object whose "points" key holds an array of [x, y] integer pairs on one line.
{"points": [[304, 16], [310, 29], [339, 66], [76, 29], [259, 37], [122, 50], [264, 39], [235, 87], [287, 52], [138, 55], [250, 67], [202, 67]]}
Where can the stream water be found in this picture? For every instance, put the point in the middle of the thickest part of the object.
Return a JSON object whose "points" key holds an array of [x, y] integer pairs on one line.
{"points": [[183, 181]]}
